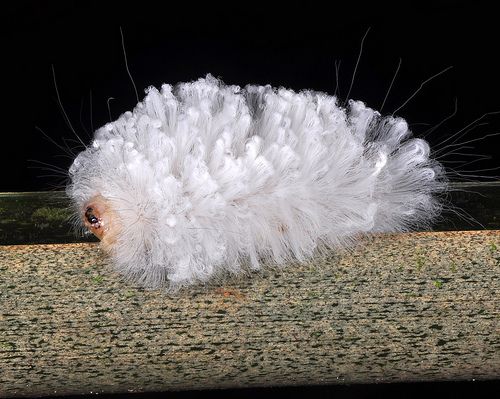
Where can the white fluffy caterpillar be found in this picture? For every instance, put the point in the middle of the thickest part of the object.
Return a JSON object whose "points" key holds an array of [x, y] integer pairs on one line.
{"points": [[203, 179]]}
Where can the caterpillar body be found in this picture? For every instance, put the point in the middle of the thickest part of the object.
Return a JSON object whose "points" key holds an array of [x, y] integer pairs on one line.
{"points": [[203, 179]]}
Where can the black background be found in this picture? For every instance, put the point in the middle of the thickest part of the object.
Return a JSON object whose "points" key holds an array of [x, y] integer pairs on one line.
{"points": [[294, 44]]}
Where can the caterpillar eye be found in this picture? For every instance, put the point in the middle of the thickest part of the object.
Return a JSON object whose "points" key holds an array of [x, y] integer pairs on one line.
{"points": [[89, 215]]}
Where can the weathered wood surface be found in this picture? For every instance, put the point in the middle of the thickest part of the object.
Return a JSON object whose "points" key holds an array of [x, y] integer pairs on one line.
{"points": [[410, 307]]}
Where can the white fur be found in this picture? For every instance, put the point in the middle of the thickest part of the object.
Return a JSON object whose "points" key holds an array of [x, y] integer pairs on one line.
{"points": [[209, 179]]}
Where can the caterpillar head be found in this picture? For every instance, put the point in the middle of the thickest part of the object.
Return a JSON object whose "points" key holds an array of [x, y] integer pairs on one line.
{"points": [[99, 218]]}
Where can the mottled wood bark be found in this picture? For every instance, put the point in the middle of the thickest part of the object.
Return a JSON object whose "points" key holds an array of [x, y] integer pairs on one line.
{"points": [[407, 307]]}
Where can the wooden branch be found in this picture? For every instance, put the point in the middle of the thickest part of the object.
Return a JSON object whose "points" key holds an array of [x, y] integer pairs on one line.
{"points": [[409, 307]]}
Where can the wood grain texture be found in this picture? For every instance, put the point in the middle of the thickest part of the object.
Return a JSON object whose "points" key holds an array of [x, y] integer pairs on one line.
{"points": [[409, 307]]}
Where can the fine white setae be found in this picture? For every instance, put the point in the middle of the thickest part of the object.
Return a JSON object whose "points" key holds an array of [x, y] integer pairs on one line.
{"points": [[202, 179]]}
